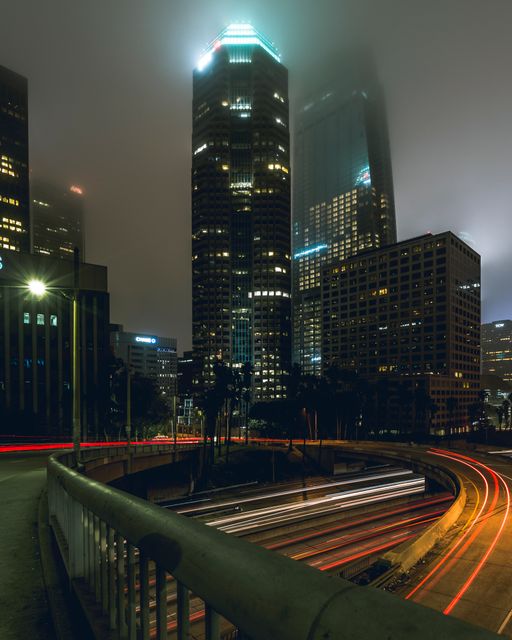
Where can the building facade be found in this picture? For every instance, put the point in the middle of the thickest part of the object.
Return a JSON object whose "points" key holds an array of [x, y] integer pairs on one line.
{"points": [[57, 221], [35, 346], [497, 349], [152, 357], [409, 312], [343, 198], [14, 180], [241, 280]]}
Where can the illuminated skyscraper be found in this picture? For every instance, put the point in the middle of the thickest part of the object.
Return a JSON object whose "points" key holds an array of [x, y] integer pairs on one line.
{"points": [[497, 349], [14, 188], [343, 191], [241, 210], [57, 221]]}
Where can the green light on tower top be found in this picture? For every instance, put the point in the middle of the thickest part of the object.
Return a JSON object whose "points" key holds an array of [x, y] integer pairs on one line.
{"points": [[237, 34]]}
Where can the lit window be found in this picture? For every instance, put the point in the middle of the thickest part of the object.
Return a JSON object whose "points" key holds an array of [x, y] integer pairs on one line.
{"points": [[40, 318], [26, 318], [53, 321]]}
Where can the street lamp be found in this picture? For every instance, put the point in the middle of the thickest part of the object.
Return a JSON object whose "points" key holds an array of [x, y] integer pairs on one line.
{"points": [[39, 289]]}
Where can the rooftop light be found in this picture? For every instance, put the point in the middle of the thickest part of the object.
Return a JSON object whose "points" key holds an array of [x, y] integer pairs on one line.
{"points": [[237, 34]]}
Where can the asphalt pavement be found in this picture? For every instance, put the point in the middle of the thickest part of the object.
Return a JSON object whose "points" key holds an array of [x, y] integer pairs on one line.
{"points": [[23, 603]]}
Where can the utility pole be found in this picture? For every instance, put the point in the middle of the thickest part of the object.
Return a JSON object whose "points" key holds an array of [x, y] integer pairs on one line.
{"points": [[77, 426], [128, 399]]}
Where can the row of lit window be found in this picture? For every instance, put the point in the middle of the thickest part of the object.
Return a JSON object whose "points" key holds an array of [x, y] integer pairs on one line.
{"points": [[7, 200], [40, 319]]}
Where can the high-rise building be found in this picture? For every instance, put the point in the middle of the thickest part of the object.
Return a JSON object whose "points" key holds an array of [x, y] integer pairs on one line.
{"points": [[343, 199], [152, 357], [14, 183], [241, 280], [36, 346], [497, 349], [57, 220], [409, 312]]}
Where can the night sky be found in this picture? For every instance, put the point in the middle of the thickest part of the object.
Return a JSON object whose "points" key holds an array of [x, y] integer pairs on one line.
{"points": [[110, 91]]}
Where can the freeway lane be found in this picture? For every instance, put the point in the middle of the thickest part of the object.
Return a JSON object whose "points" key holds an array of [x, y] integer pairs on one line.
{"points": [[327, 544], [468, 575], [472, 577]]}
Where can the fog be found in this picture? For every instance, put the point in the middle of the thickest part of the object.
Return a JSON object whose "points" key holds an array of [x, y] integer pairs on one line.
{"points": [[110, 89]]}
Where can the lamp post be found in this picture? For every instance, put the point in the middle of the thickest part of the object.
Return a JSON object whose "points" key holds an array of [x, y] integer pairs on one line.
{"points": [[39, 289]]}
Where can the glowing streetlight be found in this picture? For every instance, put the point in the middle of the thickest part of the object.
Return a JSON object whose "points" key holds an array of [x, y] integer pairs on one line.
{"points": [[37, 288]]}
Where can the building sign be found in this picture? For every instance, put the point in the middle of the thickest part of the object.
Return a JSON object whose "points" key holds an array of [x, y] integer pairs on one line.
{"points": [[145, 339]]}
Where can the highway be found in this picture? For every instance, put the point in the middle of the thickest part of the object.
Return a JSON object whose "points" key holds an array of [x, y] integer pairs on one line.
{"points": [[469, 574], [327, 523]]}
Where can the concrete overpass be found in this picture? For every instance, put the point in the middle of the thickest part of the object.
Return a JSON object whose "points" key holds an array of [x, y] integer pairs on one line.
{"points": [[108, 540]]}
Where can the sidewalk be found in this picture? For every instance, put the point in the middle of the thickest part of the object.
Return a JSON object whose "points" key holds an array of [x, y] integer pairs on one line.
{"points": [[23, 603]]}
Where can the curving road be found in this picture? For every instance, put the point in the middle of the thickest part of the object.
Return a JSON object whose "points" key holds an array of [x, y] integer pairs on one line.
{"points": [[469, 574]]}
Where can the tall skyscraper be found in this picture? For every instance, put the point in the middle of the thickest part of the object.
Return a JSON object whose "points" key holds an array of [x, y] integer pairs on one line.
{"points": [[241, 282], [14, 186], [343, 190], [57, 220]]}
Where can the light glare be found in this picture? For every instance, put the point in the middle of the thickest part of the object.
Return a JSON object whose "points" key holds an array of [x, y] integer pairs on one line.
{"points": [[37, 288]]}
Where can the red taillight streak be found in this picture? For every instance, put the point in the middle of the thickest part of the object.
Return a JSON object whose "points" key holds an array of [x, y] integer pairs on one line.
{"points": [[14, 448], [462, 538], [348, 525], [494, 542], [367, 552], [374, 534]]}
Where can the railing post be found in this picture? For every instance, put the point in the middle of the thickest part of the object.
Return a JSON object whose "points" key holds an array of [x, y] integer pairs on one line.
{"points": [[90, 531], [144, 595], [161, 603], [183, 604], [111, 550], [211, 623], [132, 619], [103, 566], [97, 557], [121, 601], [76, 541]]}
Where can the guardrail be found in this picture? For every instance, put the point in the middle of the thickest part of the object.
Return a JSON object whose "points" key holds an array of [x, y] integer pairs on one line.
{"points": [[110, 540]]}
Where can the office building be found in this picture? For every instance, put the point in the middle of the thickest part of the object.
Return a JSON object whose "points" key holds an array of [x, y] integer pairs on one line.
{"points": [[36, 342], [343, 199], [14, 182], [57, 220], [241, 282], [409, 312], [149, 356], [497, 349], [187, 375]]}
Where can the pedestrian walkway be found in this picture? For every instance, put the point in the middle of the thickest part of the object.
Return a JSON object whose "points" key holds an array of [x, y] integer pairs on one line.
{"points": [[23, 603]]}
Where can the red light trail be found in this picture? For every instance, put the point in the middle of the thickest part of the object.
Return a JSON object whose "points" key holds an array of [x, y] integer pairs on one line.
{"points": [[443, 566]]}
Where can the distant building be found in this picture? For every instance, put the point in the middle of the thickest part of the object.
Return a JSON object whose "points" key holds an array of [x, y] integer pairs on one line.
{"points": [[241, 279], [35, 346], [497, 349], [343, 200], [150, 356], [14, 181], [409, 312], [187, 372], [57, 221]]}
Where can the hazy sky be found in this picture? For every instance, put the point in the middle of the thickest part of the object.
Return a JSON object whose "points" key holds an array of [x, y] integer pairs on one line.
{"points": [[110, 90]]}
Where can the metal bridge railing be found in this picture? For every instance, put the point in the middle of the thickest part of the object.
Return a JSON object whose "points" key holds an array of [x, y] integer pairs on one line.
{"points": [[125, 552]]}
